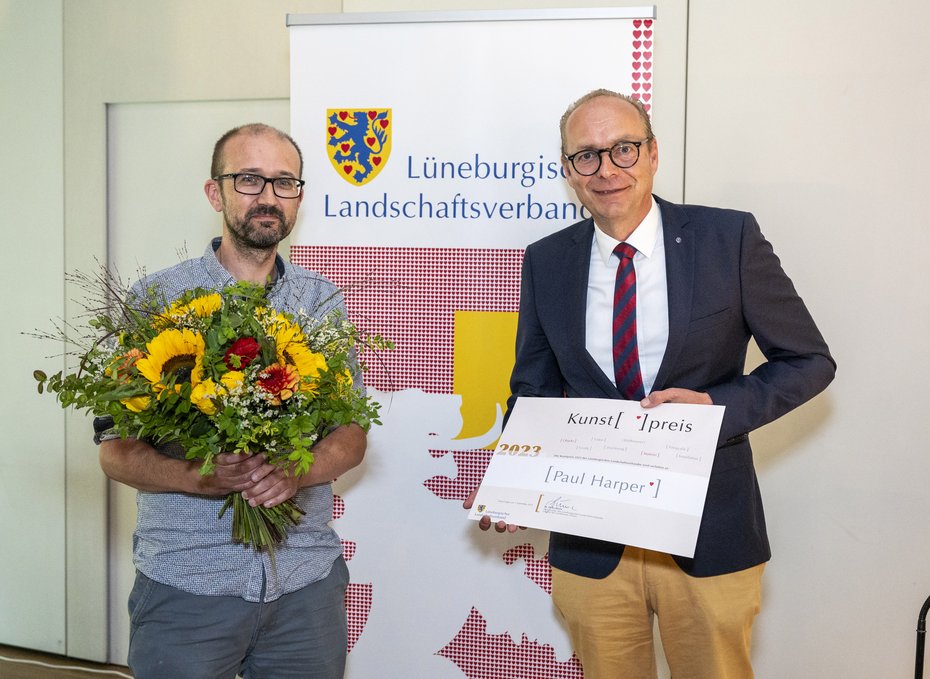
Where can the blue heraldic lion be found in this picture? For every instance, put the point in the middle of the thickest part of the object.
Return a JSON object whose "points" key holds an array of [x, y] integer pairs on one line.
{"points": [[361, 138]]}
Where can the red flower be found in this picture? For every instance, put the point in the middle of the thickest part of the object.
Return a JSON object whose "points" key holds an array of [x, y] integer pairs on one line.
{"points": [[279, 382], [242, 352]]}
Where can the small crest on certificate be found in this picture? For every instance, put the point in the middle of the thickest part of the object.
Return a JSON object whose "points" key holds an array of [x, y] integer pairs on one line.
{"points": [[358, 142]]}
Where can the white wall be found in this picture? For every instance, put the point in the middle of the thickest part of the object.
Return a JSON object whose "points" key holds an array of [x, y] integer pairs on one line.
{"points": [[32, 459], [785, 102], [813, 115]]}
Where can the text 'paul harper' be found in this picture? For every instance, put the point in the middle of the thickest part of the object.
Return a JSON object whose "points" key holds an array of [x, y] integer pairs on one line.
{"points": [[556, 476]]}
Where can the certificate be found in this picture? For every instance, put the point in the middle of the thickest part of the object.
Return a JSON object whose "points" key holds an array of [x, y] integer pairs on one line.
{"points": [[604, 468]]}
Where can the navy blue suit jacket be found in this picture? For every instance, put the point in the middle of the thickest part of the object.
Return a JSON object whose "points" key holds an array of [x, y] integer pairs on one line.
{"points": [[725, 285]]}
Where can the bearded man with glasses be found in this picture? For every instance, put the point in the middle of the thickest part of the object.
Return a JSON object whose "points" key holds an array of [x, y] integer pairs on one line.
{"points": [[656, 302], [203, 607]]}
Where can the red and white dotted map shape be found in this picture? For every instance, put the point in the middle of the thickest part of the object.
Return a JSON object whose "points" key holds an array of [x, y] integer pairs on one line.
{"points": [[410, 295]]}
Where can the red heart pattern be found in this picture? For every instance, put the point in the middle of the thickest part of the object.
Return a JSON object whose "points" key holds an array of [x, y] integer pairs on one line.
{"points": [[642, 62]]}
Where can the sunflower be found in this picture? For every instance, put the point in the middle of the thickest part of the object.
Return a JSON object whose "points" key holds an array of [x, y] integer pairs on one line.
{"points": [[291, 347], [174, 356], [199, 307]]}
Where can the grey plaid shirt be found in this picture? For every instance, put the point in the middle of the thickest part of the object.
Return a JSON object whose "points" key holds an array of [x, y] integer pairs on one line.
{"points": [[179, 541]]}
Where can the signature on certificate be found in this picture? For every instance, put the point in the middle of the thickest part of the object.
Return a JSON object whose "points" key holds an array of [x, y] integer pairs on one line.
{"points": [[558, 504]]}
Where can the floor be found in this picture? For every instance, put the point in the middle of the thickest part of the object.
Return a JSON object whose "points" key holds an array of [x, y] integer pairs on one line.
{"points": [[21, 663]]}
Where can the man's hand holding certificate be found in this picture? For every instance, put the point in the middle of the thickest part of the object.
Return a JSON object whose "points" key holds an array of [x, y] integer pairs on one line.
{"points": [[604, 469]]}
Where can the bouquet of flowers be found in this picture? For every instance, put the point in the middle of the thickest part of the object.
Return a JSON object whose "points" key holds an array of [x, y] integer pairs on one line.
{"points": [[220, 372]]}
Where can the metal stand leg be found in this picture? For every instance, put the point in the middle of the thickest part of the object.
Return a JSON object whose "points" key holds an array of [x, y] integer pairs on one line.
{"points": [[921, 639]]}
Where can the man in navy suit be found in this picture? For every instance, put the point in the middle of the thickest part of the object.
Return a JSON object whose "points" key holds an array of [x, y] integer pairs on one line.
{"points": [[706, 281]]}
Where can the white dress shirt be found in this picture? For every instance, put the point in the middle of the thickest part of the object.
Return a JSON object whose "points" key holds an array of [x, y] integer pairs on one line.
{"points": [[651, 297]]}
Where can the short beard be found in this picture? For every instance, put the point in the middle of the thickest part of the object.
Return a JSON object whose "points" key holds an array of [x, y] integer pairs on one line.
{"points": [[257, 237]]}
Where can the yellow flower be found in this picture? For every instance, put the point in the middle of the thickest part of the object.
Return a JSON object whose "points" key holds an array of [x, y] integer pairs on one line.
{"points": [[173, 356], [233, 380], [205, 393], [204, 396], [136, 404], [292, 349], [201, 307]]}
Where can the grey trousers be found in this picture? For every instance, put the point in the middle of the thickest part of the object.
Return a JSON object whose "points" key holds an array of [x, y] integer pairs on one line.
{"points": [[176, 635]]}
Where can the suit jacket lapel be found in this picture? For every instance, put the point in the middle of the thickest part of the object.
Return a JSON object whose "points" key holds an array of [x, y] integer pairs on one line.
{"points": [[679, 269], [578, 264]]}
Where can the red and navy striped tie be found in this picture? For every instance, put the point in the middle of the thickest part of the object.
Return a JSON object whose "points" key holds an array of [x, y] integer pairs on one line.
{"points": [[626, 356]]}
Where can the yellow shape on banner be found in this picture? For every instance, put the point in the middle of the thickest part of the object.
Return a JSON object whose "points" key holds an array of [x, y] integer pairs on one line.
{"points": [[484, 355], [358, 142]]}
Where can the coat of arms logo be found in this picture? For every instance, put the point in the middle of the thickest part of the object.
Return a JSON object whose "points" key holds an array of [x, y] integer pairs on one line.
{"points": [[358, 142]]}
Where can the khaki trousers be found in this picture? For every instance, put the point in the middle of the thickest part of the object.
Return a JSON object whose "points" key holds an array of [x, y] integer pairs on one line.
{"points": [[705, 623]]}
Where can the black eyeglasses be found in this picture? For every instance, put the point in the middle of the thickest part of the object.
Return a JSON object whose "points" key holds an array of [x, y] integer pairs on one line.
{"points": [[254, 184], [623, 154]]}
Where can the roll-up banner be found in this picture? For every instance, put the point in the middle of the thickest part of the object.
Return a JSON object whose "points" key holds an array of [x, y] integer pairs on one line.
{"points": [[432, 155]]}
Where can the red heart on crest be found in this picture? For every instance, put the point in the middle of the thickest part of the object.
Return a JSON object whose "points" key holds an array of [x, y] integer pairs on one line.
{"points": [[376, 160], [372, 114], [384, 124], [331, 129], [639, 417], [347, 169], [652, 483], [344, 147], [343, 115], [370, 141]]}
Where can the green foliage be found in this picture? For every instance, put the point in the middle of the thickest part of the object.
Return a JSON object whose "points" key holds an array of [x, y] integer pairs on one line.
{"points": [[220, 372]]}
